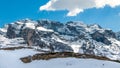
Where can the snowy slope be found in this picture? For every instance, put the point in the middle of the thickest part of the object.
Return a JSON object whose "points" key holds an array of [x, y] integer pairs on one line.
{"points": [[11, 59], [5, 42]]}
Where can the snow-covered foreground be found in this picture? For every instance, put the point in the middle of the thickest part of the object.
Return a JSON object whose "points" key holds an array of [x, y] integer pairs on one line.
{"points": [[11, 59]]}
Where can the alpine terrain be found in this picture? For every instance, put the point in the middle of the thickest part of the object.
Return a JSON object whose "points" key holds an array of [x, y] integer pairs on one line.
{"points": [[51, 44]]}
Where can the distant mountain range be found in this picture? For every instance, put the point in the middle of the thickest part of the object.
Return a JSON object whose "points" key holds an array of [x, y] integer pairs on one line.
{"points": [[52, 36]]}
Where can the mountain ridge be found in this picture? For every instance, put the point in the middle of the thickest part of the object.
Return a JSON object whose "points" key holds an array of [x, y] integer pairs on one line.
{"points": [[58, 37]]}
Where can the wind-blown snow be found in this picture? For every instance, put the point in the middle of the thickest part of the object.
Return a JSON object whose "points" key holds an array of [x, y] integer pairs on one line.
{"points": [[76, 48], [30, 25], [3, 29], [44, 29]]}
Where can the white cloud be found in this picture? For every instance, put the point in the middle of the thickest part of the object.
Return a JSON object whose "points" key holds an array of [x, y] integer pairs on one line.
{"points": [[76, 6]]}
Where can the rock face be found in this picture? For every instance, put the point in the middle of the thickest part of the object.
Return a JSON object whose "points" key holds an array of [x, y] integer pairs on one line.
{"points": [[48, 56], [99, 37], [11, 31], [71, 36]]}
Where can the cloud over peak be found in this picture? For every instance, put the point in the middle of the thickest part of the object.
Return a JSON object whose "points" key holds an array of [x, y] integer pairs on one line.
{"points": [[77, 6]]}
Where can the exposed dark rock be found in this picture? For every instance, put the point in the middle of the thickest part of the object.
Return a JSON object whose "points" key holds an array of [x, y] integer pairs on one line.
{"points": [[60, 47], [11, 31], [15, 48], [26, 59], [50, 24], [117, 35], [109, 33], [27, 35], [99, 37], [47, 56]]}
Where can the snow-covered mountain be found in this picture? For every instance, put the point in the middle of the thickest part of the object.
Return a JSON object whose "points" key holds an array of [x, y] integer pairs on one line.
{"points": [[54, 36]]}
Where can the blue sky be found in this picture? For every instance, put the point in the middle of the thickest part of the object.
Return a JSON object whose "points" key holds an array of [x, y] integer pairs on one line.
{"points": [[12, 10]]}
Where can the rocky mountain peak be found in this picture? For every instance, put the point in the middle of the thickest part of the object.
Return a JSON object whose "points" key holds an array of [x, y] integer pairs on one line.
{"points": [[71, 37]]}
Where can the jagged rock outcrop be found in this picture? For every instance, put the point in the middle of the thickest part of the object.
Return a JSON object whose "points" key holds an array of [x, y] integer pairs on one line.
{"points": [[99, 37], [11, 31]]}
